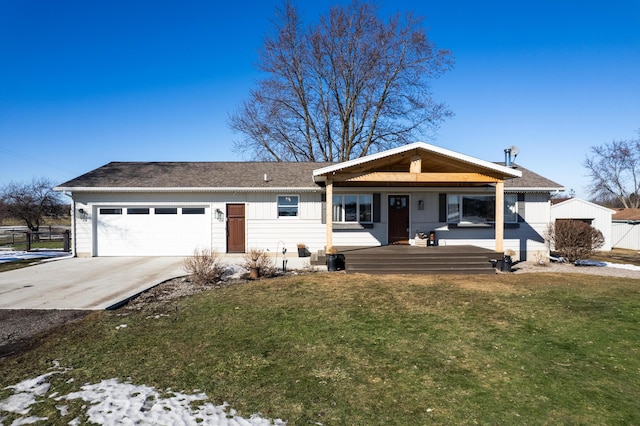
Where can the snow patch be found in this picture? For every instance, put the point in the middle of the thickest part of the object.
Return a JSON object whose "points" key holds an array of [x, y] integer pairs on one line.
{"points": [[111, 402], [623, 266], [13, 256]]}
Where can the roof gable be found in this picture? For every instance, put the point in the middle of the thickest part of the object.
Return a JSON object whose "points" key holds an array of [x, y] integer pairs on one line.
{"points": [[434, 159], [580, 203]]}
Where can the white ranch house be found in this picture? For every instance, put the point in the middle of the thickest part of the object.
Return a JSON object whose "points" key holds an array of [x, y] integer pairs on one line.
{"points": [[171, 208]]}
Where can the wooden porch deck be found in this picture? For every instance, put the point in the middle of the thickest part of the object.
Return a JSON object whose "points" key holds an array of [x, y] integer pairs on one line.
{"points": [[406, 259]]}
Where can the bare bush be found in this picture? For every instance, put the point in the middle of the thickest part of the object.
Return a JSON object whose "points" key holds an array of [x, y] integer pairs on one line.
{"points": [[574, 239], [540, 258], [203, 267], [260, 259]]}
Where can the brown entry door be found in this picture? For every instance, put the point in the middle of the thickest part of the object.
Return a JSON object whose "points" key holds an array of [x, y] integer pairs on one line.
{"points": [[398, 219], [235, 228]]}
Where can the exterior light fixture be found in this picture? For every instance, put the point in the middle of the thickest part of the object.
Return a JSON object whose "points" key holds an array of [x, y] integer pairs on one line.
{"points": [[83, 215]]}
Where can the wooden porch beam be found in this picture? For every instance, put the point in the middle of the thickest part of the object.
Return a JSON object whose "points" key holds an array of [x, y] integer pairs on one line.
{"points": [[500, 216], [329, 213], [414, 177], [416, 165]]}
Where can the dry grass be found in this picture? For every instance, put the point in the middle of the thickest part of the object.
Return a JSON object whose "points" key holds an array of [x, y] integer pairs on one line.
{"points": [[359, 349], [618, 256]]}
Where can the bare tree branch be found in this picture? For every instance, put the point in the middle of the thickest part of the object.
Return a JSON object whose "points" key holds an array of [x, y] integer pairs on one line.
{"points": [[614, 170], [31, 202], [349, 85]]}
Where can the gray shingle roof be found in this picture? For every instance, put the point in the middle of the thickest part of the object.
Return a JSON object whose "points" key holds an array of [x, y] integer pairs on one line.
{"points": [[198, 175], [221, 175], [530, 180]]}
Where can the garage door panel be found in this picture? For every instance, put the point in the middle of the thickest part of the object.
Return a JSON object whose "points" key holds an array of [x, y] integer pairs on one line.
{"points": [[152, 234]]}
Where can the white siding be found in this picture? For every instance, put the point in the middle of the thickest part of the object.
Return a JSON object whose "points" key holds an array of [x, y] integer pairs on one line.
{"points": [[265, 230], [82, 238]]}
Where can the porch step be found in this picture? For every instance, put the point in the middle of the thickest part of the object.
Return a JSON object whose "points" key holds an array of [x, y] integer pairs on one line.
{"points": [[421, 260]]}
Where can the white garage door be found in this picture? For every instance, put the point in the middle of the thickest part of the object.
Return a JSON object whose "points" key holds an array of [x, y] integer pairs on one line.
{"points": [[152, 230]]}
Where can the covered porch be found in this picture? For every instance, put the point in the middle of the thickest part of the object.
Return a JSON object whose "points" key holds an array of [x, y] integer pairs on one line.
{"points": [[398, 173]]}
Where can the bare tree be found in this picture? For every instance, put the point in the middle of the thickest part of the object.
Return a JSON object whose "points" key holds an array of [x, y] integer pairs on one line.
{"points": [[614, 170], [31, 202], [350, 85]]}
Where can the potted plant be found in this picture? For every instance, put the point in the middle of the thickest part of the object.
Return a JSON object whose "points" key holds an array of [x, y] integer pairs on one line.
{"points": [[507, 262], [302, 250], [332, 259], [251, 262]]}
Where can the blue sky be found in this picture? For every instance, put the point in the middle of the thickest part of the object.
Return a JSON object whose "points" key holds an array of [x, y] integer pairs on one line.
{"points": [[84, 82]]}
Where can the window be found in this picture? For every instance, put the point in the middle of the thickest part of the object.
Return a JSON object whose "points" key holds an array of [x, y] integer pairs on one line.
{"points": [[353, 208], [132, 210], [510, 208], [110, 211], [479, 208], [193, 210], [166, 210], [287, 205]]}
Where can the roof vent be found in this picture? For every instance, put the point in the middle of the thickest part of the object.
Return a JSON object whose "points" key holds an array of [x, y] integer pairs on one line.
{"points": [[510, 155], [266, 178]]}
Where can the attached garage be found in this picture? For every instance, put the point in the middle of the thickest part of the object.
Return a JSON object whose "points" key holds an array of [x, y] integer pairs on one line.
{"points": [[152, 230]]}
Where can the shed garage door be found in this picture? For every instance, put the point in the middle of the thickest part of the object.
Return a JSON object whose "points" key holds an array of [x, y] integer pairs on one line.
{"points": [[152, 230]]}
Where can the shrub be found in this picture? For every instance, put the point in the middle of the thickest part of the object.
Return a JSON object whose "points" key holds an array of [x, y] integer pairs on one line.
{"points": [[203, 267], [574, 239], [258, 258], [540, 258]]}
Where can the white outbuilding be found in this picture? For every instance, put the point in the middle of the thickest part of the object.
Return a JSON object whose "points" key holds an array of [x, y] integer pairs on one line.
{"points": [[585, 211]]}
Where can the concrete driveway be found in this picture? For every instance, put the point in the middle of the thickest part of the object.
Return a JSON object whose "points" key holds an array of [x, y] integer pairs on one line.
{"points": [[84, 283]]}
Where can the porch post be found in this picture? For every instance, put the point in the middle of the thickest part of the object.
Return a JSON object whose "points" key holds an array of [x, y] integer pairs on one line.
{"points": [[329, 213], [500, 216]]}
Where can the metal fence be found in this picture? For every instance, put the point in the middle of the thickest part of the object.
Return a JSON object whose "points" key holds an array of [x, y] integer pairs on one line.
{"points": [[50, 238]]}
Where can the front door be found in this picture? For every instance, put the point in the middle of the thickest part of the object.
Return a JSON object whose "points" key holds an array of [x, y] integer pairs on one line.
{"points": [[398, 219], [235, 228]]}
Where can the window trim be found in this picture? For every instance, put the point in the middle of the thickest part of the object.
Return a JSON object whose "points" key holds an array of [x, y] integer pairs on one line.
{"points": [[358, 210], [460, 223], [297, 206]]}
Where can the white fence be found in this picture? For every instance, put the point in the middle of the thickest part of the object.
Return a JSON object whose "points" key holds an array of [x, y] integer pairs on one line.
{"points": [[625, 235]]}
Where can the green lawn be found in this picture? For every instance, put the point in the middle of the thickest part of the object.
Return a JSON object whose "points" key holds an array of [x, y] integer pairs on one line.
{"points": [[372, 350]]}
